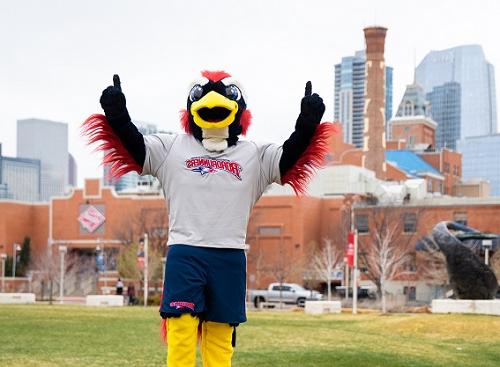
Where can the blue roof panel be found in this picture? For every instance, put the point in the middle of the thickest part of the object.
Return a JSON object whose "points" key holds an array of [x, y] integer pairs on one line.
{"points": [[409, 162]]}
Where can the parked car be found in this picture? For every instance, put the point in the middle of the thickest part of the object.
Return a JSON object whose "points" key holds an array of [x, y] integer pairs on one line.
{"points": [[289, 293], [369, 292]]}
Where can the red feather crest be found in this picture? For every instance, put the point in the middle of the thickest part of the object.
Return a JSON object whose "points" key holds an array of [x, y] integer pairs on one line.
{"points": [[215, 76], [313, 158], [97, 129]]}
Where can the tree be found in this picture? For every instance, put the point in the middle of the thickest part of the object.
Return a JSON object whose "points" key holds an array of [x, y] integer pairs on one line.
{"points": [[386, 248], [324, 262]]}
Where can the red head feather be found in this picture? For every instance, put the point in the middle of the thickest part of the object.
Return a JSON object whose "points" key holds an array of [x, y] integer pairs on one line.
{"points": [[215, 76]]}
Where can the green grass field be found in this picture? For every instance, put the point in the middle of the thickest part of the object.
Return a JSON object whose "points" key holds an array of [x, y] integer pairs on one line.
{"points": [[45, 335]]}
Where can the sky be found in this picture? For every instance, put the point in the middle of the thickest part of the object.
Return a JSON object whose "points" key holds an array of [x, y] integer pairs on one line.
{"points": [[57, 56]]}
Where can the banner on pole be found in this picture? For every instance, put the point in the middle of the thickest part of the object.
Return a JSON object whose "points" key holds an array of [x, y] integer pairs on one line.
{"points": [[350, 249]]}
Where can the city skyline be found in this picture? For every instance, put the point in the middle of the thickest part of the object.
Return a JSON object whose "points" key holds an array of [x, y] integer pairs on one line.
{"points": [[153, 44]]}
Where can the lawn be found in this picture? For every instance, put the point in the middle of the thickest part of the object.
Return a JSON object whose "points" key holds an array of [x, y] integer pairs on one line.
{"points": [[45, 335]]}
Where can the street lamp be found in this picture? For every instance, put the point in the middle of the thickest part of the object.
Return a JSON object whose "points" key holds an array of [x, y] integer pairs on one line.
{"points": [[487, 245], [62, 253], [146, 266], [15, 249], [3, 257]]}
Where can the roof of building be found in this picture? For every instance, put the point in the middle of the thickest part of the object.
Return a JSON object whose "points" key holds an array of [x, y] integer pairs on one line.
{"points": [[410, 163]]}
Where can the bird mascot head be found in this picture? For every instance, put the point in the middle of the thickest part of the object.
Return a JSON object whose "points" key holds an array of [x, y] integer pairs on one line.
{"points": [[216, 111]]}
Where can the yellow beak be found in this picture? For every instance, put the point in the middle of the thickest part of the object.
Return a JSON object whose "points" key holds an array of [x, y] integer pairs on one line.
{"points": [[205, 107]]}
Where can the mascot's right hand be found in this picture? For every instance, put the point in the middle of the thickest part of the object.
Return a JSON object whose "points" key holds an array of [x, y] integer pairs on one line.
{"points": [[112, 99]]}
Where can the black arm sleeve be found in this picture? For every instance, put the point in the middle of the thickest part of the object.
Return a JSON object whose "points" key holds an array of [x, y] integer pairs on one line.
{"points": [[296, 144], [130, 137]]}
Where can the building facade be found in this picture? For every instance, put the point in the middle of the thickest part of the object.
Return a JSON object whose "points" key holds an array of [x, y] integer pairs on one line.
{"points": [[19, 178], [46, 141], [467, 66], [445, 101], [349, 101], [481, 159]]}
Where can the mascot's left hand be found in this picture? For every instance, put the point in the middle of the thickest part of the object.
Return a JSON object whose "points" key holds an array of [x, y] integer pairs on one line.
{"points": [[312, 109]]}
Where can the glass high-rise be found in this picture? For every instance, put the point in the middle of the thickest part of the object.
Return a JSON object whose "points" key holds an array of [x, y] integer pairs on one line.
{"points": [[19, 178], [467, 66], [480, 159], [350, 96], [445, 101], [46, 141]]}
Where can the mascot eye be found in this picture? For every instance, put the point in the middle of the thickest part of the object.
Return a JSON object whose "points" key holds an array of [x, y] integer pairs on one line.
{"points": [[233, 92], [195, 93]]}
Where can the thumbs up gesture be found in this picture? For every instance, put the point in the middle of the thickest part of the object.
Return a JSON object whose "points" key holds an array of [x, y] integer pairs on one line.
{"points": [[113, 100], [312, 107]]}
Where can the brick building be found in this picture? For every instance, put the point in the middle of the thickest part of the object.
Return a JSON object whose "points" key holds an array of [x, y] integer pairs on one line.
{"points": [[282, 234]]}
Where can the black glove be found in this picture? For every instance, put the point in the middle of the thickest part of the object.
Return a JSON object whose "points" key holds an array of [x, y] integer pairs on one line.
{"points": [[312, 109], [114, 105], [113, 100]]}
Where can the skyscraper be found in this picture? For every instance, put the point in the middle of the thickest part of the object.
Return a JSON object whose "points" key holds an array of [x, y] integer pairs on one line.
{"points": [[46, 141], [350, 96], [19, 178], [480, 159], [445, 101], [72, 171], [467, 66]]}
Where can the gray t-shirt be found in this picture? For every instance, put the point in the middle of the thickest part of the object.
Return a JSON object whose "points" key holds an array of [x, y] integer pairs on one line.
{"points": [[210, 195]]}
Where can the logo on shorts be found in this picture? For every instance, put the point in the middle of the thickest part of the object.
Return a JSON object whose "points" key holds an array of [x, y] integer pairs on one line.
{"points": [[205, 165], [179, 305]]}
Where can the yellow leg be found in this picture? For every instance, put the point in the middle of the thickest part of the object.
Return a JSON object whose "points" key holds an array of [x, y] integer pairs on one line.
{"points": [[182, 338], [216, 348]]}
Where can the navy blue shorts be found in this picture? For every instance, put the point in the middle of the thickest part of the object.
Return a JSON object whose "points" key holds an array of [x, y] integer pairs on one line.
{"points": [[208, 282]]}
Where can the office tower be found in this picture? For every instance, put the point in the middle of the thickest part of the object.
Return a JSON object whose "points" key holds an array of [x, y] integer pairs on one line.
{"points": [[350, 96], [19, 178], [467, 66], [72, 171], [480, 159], [46, 141], [445, 101]]}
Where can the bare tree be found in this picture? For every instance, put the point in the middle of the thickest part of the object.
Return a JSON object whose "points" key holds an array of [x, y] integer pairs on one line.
{"points": [[385, 251], [47, 269], [324, 262]]}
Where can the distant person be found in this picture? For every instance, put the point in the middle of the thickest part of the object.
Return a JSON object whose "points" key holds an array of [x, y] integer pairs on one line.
{"points": [[119, 287], [131, 293]]}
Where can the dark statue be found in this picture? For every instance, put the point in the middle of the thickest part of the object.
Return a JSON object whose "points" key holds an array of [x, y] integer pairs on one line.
{"points": [[469, 277]]}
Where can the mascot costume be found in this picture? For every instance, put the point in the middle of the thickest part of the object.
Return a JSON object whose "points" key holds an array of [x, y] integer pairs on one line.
{"points": [[210, 180]]}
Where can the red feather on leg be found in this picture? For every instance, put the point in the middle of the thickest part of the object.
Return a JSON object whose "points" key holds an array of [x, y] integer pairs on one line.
{"points": [[313, 158], [97, 130]]}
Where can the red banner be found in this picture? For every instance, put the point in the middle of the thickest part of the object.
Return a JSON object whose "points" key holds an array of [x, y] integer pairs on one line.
{"points": [[350, 249]]}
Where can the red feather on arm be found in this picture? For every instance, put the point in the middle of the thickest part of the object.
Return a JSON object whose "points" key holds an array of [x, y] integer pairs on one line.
{"points": [[313, 158], [97, 130]]}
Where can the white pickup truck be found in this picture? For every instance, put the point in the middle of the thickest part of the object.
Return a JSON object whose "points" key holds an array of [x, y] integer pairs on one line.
{"points": [[285, 292]]}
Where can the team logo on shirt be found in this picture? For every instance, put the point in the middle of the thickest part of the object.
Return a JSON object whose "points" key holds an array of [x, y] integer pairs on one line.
{"points": [[205, 166]]}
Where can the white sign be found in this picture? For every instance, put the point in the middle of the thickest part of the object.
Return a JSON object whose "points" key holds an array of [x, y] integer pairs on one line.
{"points": [[91, 219]]}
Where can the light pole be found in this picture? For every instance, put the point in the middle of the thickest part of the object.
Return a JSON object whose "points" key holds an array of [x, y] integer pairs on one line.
{"points": [[3, 257], [163, 264], [62, 253], [146, 265], [487, 245], [15, 249]]}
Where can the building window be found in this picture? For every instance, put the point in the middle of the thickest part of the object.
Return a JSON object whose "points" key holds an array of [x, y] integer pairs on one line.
{"points": [[411, 293], [429, 185], [362, 223], [446, 167], [460, 217], [410, 223], [411, 264], [270, 230]]}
